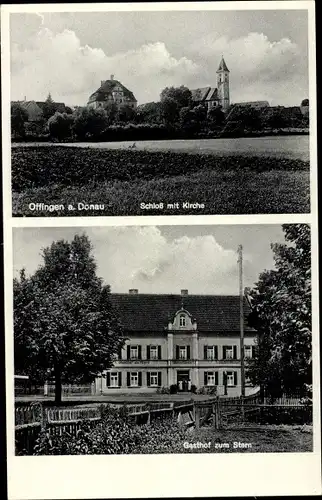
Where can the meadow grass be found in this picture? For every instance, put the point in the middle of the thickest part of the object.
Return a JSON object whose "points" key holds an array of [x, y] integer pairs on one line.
{"points": [[222, 192]]}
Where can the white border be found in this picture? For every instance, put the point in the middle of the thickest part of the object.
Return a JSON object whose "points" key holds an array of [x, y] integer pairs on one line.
{"points": [[153, 476]]}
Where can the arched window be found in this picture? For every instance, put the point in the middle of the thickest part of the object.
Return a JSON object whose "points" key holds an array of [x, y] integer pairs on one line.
{"points": [[182, 320]]}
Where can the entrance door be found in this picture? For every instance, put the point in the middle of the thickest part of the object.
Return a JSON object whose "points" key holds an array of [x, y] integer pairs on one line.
{"points": [[183, 376]]}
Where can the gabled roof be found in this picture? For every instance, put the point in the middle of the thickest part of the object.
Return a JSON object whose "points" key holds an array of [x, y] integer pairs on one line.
{"points": [[222, 66], [200, 94], [152, 312], [40, 104], [106, 89], [212, 94]]}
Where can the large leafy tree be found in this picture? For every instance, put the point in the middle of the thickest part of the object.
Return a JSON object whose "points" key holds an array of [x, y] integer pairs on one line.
{"points": [[60, 125], [19, 117], [181, 95], [281, 313], [89, 122], [64, 323]]}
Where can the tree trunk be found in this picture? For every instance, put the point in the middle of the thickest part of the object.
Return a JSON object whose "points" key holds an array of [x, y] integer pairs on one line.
{"points": [[58, 385]]}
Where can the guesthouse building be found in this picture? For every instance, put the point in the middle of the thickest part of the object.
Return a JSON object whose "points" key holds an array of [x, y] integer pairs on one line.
{"points": [[183, 339]]}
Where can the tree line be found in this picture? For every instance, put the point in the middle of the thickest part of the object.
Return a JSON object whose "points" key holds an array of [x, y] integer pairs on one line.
{"points": [[66, 329], [176, 115]]}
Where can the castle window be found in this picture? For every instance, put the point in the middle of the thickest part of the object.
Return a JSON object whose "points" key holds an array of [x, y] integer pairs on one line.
{"points": [[182, 320]]}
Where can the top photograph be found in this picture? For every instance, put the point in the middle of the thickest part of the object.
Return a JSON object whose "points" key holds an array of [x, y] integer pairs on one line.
{"points": [[160, 112]]}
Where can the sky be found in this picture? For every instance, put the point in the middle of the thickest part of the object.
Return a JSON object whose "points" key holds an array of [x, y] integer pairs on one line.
{"points": [[162, 259], [68, 54]]}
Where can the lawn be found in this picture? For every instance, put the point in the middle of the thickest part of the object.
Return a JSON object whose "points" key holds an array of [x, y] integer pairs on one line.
{"points": [[120, 181], [266, 439]]}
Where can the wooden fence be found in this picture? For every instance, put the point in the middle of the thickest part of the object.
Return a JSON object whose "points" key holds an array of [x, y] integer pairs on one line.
{"points": [[219, 411]]}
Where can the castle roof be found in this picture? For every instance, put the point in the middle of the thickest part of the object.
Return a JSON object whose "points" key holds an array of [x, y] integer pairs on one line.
{"points": [[106, 89], [222, 66], [152, 312]]}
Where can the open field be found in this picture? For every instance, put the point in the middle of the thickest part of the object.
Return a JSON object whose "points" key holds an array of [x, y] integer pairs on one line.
{"points": [[292, 146], [266, 439], [119, 181]]}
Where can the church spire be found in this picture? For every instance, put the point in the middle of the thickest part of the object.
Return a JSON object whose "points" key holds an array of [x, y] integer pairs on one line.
{"points": [[222, 65]]}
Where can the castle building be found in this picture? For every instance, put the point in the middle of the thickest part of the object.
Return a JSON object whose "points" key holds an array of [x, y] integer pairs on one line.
{"points": [[179, 339], [112, 92], [215, 96]]}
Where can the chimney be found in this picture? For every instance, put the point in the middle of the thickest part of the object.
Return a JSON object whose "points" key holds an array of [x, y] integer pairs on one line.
{"points": [[102, 82], [133, 291], [184, 292], [112, 77]]}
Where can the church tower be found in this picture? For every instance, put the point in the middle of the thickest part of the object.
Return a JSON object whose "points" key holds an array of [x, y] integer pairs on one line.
{"points": [[223, 85]]}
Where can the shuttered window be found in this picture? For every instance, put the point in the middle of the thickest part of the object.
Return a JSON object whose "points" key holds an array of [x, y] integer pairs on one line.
{"points": [[134, 379], [211, 378], [248, 350], [134, 352], [230, 352], [154, 379], [231, 379], [211, 352]]}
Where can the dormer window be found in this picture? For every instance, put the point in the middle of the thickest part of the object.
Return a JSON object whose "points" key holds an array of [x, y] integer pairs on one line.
{"points": [[182, 320]]}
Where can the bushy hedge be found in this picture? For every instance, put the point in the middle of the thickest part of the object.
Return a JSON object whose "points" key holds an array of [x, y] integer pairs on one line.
{"points": [[34, 167], [115, 435]]}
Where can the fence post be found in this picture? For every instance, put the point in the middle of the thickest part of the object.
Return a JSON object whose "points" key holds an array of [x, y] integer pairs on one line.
{"points": [[149, 414], [215, 414], [197, 417], [44, 417]]}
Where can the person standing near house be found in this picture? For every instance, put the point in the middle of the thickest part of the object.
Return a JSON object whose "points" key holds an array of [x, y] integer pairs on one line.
{"points": [[180, 385]]}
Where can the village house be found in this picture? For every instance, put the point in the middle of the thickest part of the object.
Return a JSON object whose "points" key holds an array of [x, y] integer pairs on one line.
{"points": [[112, 92], [35, 109], [179, 339]]}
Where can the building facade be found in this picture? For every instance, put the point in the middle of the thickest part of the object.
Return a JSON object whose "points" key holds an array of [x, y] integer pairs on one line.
{"points": [[112, 92], [215, 96], [179, 339]]}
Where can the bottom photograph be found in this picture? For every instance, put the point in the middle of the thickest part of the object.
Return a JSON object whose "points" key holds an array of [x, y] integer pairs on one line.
{"points": [[162, 339]]}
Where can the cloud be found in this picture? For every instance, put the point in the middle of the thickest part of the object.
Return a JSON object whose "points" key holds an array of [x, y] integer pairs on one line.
{"points": [[59, 64], [260, 68], [142, 257]]}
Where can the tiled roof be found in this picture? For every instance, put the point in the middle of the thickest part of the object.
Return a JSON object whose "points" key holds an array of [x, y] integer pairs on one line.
{"points": [[212, 94], [200, 94], [152, 312], [106, 90]]}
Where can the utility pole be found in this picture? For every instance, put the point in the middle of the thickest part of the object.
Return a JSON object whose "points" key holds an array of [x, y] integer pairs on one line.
{"points": [[241, 310]]}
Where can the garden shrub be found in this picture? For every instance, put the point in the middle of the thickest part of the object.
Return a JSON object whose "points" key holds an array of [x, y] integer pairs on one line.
{"points": [[173, 389], [115, 434]]}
